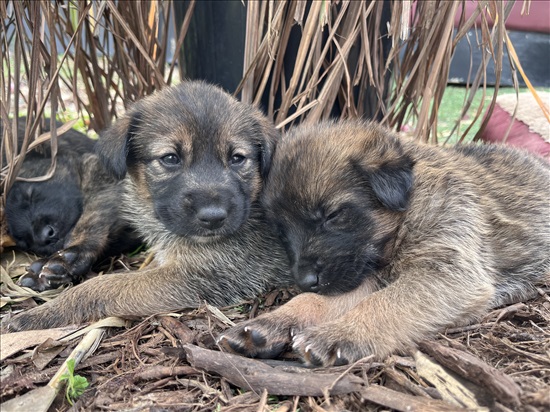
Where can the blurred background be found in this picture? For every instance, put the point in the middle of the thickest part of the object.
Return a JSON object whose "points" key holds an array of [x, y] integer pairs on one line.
{"points": [[431, 69]]}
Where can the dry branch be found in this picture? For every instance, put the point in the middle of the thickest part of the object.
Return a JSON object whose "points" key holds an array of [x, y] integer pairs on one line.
{"points": [[181, 331], [257, 376], [452, 388], [161, 372], [502, 387], [403, 402]]}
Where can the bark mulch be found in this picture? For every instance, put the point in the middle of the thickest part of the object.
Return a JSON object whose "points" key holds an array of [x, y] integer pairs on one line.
{"points": [[172, 363]]}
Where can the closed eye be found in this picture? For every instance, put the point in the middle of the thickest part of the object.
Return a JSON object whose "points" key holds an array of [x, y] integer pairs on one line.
{"points": [[333, 215], [339, 217]]}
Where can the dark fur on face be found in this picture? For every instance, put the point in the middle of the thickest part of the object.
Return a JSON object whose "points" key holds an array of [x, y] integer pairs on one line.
{"points": [[40, 215], [338, 217], [400, 239], [199, 190], [71, 219], [193, 162]]}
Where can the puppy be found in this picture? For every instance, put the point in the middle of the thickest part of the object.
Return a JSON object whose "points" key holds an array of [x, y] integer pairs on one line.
{"points": [[398, 240], [71, 218], [193, 161]]}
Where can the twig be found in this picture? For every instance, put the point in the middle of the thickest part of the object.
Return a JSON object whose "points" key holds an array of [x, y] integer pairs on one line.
{"points": [[160, 372], [257, 376], [503, 388], [403, 402]]}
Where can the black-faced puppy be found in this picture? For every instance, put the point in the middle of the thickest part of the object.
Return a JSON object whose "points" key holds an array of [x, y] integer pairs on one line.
{"points": [[71, 218], [193, 160], [398, 240], [40, 215]]}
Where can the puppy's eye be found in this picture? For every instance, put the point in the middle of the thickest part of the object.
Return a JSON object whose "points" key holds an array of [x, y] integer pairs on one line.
{"points": [[237, 159], [334, 215], [170, 159], [337, 217]]}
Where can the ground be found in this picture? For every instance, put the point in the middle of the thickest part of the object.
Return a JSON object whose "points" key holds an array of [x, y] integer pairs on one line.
{"points": [[501, 363]]}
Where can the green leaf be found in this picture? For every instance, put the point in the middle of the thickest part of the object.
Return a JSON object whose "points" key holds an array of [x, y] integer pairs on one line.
{"points": [[80, 384]]}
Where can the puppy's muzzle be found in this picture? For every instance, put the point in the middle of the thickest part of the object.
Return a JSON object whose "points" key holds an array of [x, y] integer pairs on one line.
{"points": [[212, 217], [309, 282], [46, 235], [308, 275], [212, 207]]}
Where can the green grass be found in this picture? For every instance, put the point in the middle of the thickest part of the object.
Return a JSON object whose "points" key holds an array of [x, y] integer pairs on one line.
{"points": [[451, 105]]}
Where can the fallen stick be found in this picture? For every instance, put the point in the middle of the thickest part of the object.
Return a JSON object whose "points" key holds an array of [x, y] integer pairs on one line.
{"points": [[181, 331], [160, 372], [501, 386], [403, 402], [257, 376], [451, 388]]}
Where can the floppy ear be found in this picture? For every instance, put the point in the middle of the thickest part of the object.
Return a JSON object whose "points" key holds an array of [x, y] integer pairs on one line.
{"points": [[392, 183], [114, 144], [271, 136]]}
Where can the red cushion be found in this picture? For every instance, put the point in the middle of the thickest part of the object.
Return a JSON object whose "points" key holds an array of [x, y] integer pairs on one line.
{"points": [[519, 136]]}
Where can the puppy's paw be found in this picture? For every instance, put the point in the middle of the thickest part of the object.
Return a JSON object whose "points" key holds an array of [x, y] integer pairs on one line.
{"points": [[64, 267], [41, 317], [265, 337], [325, 345]]}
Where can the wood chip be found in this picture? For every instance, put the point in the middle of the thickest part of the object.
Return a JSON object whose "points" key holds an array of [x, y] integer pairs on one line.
{"points": [[501, 386]]}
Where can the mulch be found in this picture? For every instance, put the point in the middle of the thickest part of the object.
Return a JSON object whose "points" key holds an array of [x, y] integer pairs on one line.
{"points": [[172, 363]]}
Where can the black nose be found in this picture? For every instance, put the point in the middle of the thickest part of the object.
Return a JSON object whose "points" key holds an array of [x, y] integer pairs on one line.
{"points": [[309, 282], [47, 235], [212, 217]]}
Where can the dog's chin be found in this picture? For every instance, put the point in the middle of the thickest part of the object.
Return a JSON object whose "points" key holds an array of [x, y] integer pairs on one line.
{"points": [[341, 287], [202, 236], [331, 286], [48, 250], [205, 239], [188, 227]]}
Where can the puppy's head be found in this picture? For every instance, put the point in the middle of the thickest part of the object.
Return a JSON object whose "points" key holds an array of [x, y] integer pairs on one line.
{"points": [[336, 193], [197, 155], [40, 215]]}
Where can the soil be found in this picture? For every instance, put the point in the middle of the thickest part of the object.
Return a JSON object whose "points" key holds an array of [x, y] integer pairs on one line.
{"points": [[172, 363]]}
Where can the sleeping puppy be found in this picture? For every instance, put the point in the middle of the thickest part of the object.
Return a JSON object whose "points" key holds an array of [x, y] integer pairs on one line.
{"points": [[396, 240], [71, 219]]}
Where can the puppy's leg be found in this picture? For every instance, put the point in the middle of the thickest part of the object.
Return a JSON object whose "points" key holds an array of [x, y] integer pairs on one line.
{"points": [[415, 307], [134, 294], [89, 238], [270, 334]]}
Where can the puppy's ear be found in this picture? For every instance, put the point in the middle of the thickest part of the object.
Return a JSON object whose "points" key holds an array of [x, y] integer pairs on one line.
{"points": [[271, 136], [392, 183], [114, 144]]}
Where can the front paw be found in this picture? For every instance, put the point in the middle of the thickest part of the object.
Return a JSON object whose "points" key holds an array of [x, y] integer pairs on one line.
{"points": [[326, 345], [41, 317], [264, 337], [64, 267]]}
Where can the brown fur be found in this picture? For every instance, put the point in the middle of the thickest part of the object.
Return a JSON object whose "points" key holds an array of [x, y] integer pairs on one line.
{"points": [[400, 239], [193, 161]]}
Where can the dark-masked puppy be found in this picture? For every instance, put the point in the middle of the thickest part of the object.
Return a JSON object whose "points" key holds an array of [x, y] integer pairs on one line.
{"points": [[71, 218], [40, 215], [398, 239], [193, 160]]}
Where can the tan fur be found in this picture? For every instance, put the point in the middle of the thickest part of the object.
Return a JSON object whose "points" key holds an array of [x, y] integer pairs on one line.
{"points": [[474, 233]]}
